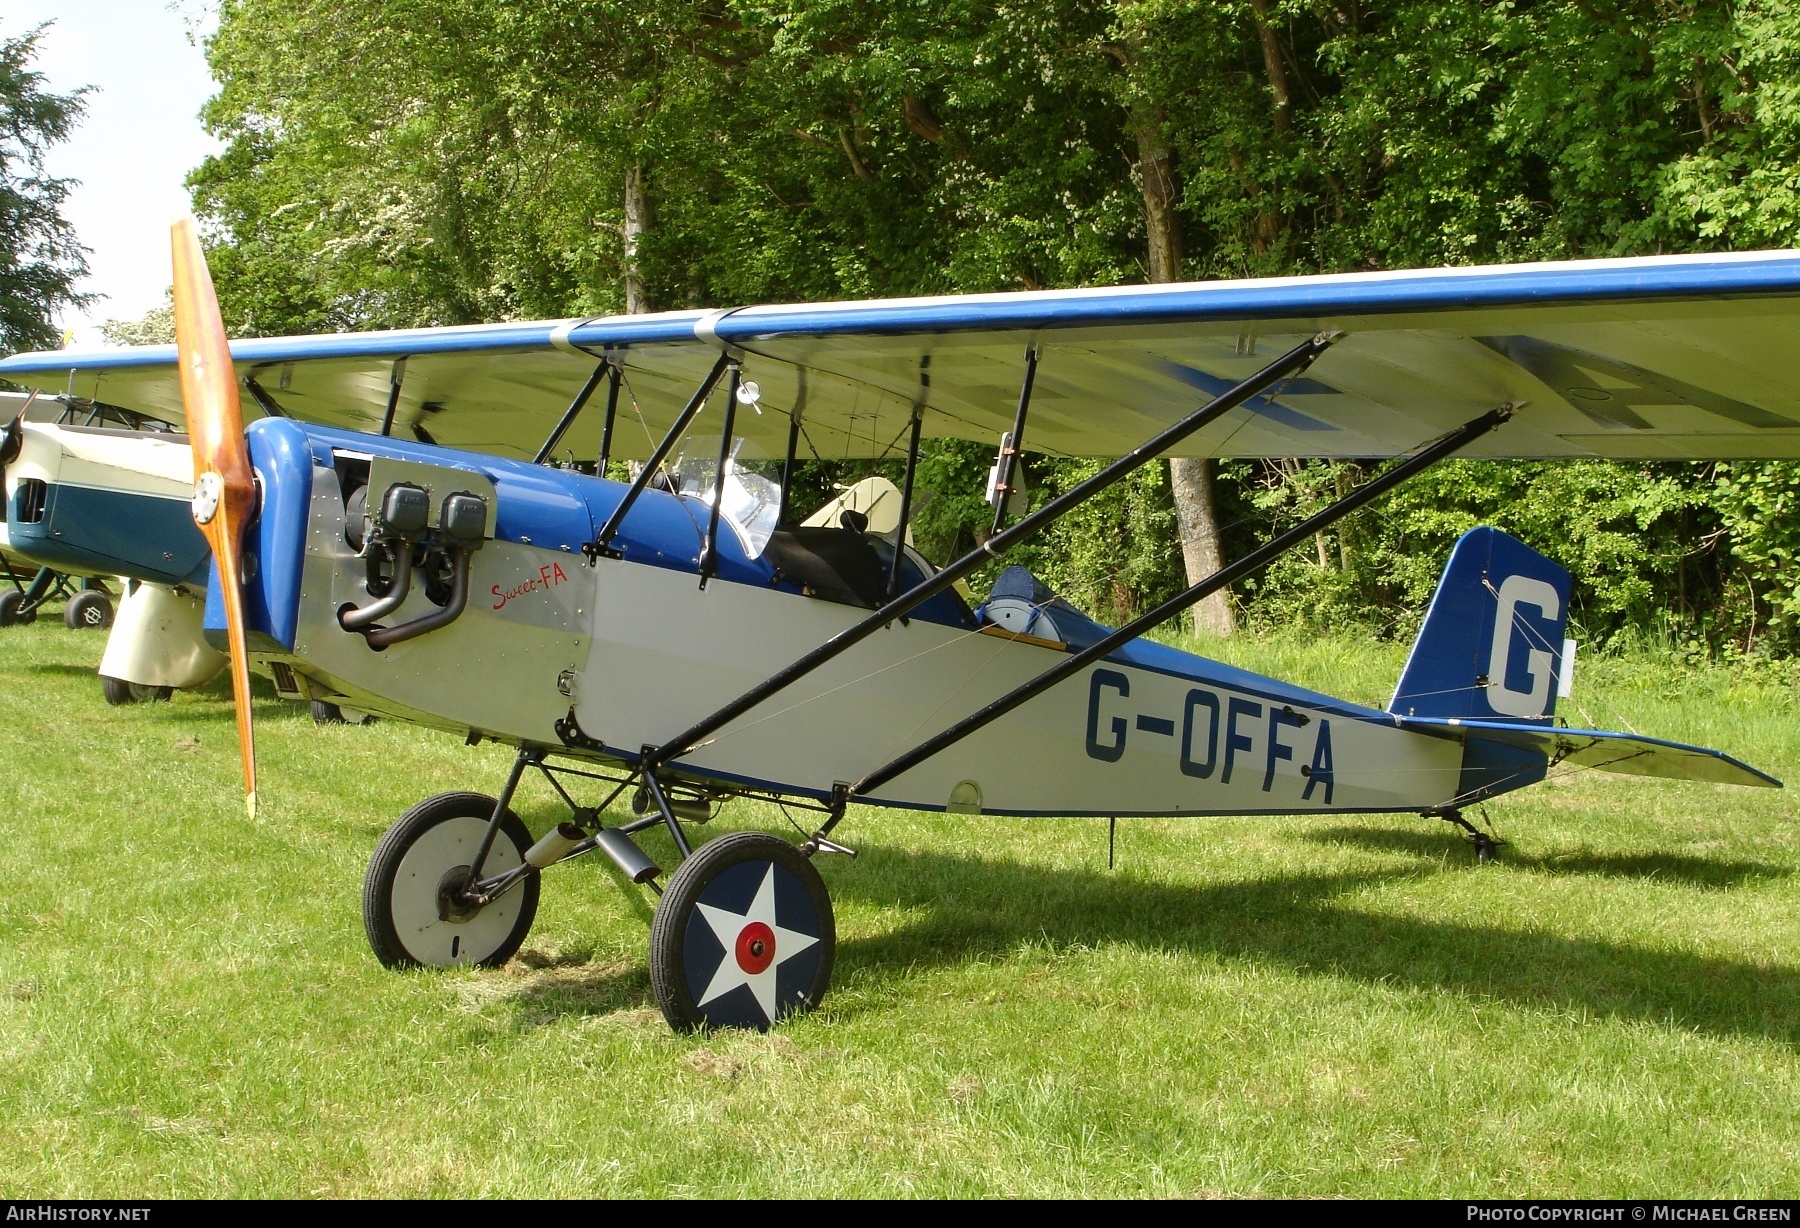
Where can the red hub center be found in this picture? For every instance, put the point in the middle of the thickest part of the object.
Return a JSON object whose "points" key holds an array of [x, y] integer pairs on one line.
{"points": [[755, 947]]}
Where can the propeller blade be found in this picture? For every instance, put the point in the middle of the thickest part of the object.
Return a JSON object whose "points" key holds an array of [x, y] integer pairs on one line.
{"points": [[12, 441], [224, 489]]}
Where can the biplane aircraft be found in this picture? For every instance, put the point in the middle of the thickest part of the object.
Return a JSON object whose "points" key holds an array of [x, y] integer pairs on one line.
{"points": [[394, 532]]}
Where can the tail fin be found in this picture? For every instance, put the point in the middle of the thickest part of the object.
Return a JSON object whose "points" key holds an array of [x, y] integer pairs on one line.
{"points": [[1492, 646]]}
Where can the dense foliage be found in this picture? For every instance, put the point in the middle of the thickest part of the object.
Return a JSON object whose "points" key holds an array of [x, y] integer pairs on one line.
{"points": [[40, 260], [407, 162]]}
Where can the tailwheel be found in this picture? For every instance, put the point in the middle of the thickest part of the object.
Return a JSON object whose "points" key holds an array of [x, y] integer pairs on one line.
{"points": [[742, 936], [413, 908]]}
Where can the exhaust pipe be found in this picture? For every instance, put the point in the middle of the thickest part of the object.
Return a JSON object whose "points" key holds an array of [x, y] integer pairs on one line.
{"points": [[554, 846], [459, 598], [632, 861], [689, 810], [355, 619]]}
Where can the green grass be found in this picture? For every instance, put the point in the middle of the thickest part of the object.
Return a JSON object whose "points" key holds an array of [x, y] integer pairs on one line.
{"points": [[1286, 1007]]}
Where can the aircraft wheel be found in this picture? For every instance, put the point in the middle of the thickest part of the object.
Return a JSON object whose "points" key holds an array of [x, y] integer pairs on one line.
{"points": [[119, 691], [9, 610], [410, 910], [330, 714], [743, 935], [89, 610]]}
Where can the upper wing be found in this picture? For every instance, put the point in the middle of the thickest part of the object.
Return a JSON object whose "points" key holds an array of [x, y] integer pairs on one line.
{"points": [[1659, 358]]}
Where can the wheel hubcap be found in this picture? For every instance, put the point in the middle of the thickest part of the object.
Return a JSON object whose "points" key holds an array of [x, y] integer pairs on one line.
{"points": [[760, 942], [453, 901], [755, 947]]}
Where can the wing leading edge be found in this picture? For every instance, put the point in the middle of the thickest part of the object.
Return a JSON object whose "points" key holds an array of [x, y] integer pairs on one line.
{"points": [[1658, 358]]}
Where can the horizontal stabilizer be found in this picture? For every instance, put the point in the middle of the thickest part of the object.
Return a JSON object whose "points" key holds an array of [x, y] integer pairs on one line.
{"points": [[1606, 751]]}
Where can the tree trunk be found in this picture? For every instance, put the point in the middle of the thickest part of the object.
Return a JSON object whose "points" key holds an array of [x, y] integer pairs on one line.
{"points": [[637, 221], [1190, 478], [1156, 168], [1277, 73]]}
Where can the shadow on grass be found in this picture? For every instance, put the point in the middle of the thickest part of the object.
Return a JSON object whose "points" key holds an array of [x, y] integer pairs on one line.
{"points": [[574, 985], [973, 908], [54, 667], [1662, 867], [262, 690]]}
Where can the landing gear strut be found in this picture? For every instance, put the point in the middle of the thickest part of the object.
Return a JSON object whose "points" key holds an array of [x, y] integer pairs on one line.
{"points": [[1487, 846], [742, 936]]}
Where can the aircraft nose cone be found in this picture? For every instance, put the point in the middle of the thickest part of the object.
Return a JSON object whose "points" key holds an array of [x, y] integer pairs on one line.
{"points": [[755, 947]]}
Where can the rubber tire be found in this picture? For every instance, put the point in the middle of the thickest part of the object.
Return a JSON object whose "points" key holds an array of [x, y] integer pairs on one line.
{"points": [[118, 691], [88, 610], [9, 610], [669, 926], [324, 713], [385, 866]]}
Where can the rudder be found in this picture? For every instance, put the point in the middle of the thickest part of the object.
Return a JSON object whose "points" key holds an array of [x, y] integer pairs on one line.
{"points": [[1492, 646]]}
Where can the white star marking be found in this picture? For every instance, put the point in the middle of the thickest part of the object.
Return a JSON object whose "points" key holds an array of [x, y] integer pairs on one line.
{"points": [[728, 925]]}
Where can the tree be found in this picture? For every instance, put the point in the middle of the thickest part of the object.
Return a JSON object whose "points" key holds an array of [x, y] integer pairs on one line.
{"points": [[154, 327], [415, 163], [40, 259]]}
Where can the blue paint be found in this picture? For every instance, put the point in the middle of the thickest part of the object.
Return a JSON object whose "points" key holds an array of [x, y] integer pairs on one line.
{"points": [[1235, 741], [1279, 750], [1320, 771], [1454, 669], [1209, 701], [1491, 768], [1264, 406], [1108, 752], [92, 530], [281, 452], [1307, 299]]}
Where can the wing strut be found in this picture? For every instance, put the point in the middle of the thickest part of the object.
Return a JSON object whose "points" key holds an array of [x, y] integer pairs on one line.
{"points": [[574, 410], [1290, 363], [787, 465], [396, 377], [709, 550], [612, 416], [1423, 459], [602, 544], [906, 502], [1012, 445]]}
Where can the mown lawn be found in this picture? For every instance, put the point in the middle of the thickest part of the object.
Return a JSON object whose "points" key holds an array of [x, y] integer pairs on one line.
{"points": [[1339, 1006]]}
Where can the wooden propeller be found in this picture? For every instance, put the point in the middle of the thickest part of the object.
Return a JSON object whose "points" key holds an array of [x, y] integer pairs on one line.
{"points": [[224, 490]]}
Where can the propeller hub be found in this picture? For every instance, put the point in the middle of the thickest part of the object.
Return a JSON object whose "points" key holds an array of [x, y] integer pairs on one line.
{"points": [[208, 492]]}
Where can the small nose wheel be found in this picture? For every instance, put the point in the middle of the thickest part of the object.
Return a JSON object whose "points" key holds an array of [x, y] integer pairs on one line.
{"points": [[742, 937]]}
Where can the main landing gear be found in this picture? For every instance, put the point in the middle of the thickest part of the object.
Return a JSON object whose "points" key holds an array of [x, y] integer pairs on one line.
{"points": [[89, 605], [417, 908], [743, 935]]}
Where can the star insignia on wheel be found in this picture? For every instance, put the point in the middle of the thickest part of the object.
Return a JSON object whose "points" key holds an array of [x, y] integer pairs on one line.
{"points": [[755, 947]]}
